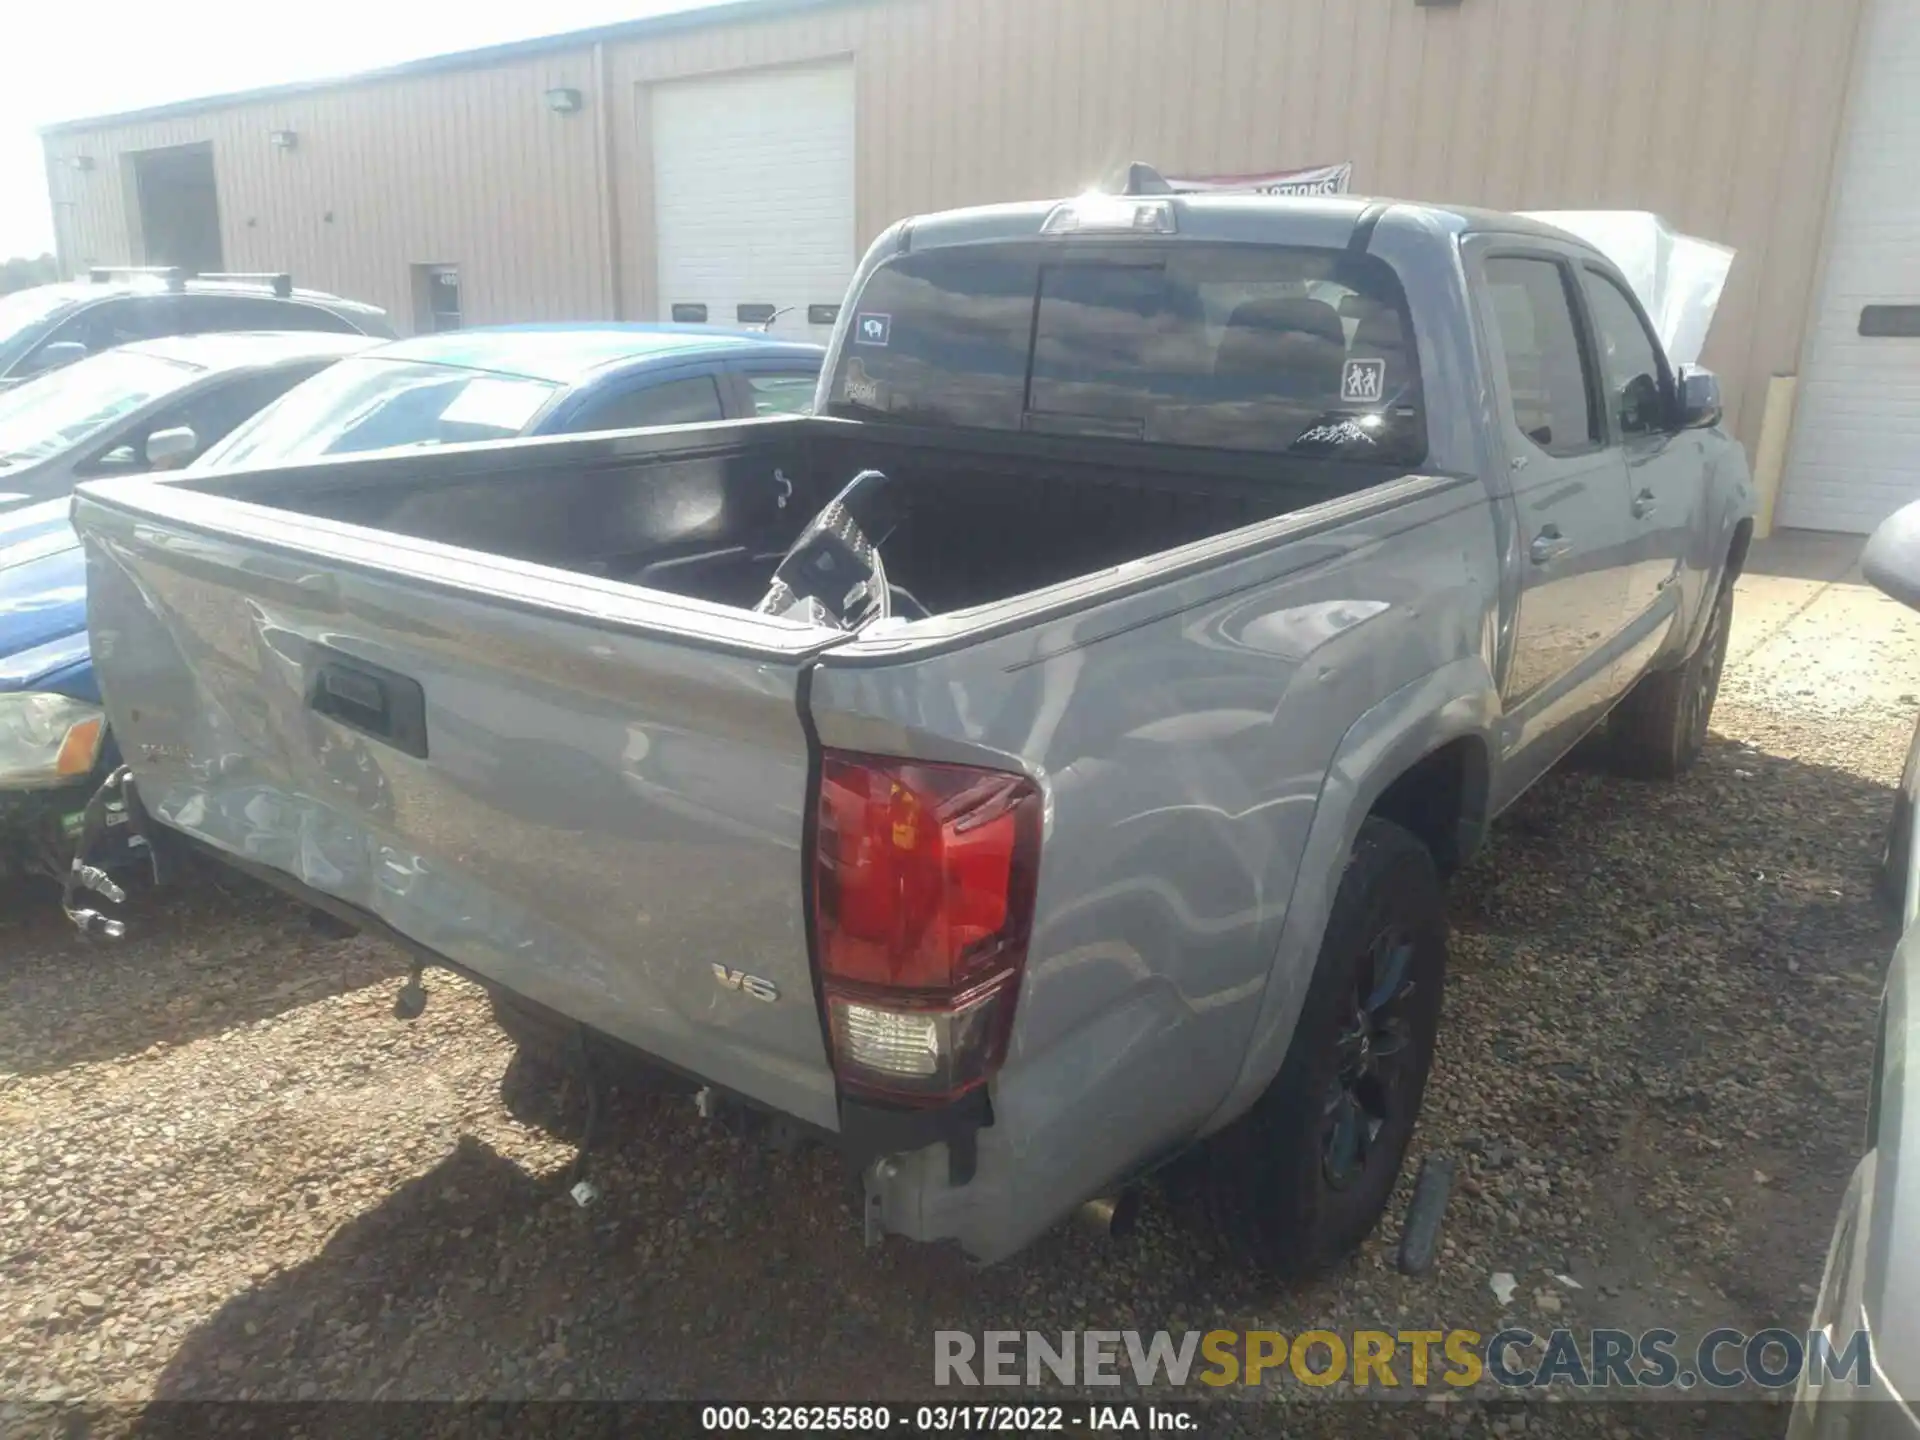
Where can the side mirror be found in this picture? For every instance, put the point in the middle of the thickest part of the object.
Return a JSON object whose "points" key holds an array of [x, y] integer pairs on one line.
{"points": [[52, 357], [1891, 561], [170, 449], [1700, 407]]}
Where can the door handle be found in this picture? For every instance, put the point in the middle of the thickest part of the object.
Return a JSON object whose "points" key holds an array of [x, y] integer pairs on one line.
{"points": [[1644, 504], [1549, 546]]}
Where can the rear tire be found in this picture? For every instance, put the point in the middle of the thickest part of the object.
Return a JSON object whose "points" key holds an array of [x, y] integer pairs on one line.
{"points": [[1660, 728], [1301, 1179]]}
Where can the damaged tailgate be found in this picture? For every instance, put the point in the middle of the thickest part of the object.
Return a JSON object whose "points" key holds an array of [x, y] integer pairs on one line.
{"points": [[592, 795]]}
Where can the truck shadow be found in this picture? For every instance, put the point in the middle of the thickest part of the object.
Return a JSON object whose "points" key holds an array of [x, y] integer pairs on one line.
{"points": [[209, 952], [1728, 924], [1728, 914], [695, 1276]]}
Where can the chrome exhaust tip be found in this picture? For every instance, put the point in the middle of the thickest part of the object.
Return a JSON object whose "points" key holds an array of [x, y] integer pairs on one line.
{"points": [[1111, 1216]]}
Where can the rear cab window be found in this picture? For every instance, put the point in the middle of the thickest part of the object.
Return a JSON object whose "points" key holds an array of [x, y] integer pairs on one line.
{"points": [[1284, 350]]}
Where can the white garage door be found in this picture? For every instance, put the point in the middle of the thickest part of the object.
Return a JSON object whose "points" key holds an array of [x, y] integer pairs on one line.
{"points": [[1856, 448], [753, 196]]}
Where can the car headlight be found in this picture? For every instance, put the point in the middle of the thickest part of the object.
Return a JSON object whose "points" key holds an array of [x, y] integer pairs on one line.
{"points": [[47, 740]]}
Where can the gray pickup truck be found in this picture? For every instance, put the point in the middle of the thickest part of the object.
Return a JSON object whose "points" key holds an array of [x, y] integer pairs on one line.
{"points": [[1040, 764]]}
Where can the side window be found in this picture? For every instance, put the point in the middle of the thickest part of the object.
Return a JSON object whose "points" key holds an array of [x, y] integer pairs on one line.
{"points": [[214, 412], [114, 322], [1636, 388], [210, 413], [1546, 374], [781, 393], [254, 312], [677, 402]]}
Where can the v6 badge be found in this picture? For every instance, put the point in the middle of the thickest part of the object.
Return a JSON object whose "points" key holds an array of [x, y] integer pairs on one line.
{"points": [[730, 979]]}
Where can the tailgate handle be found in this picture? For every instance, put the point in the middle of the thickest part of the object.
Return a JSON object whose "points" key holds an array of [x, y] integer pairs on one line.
{"points": [[369, 698]]}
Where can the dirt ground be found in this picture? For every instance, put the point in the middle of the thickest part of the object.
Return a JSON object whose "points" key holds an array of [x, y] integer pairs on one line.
{"points": [[226, 1170]]}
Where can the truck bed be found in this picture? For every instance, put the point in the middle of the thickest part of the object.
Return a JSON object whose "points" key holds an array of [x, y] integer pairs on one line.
{"points": [[462, 692], [707, 511]]}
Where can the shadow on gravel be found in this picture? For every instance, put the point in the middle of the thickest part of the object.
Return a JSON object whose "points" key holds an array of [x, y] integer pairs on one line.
{"points": [[1726, 924], [203, 954], [1774, 855], [715, 1267], [698, 1273]]}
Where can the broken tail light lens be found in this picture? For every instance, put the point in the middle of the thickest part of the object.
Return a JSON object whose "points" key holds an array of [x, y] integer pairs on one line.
{"points": [[924, 881]]}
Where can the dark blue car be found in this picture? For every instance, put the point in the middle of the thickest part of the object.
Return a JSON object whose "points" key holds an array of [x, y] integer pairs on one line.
{"points": [[471, 385], [497, 383]]}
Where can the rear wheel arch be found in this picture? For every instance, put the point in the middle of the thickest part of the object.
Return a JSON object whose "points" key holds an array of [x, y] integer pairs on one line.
{"points": [[1302, 1176], [1445, 721], [1442, 800], [1737, 547]]}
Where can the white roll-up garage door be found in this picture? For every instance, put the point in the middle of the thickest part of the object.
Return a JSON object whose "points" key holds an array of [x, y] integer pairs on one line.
{"points": [[1855, 457], [753, 196]]}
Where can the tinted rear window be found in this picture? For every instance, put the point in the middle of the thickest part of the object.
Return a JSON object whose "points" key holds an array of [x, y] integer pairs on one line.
{"points": [[1234, 347]]}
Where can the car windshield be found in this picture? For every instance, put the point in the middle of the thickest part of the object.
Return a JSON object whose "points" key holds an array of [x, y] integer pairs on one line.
{"points": [[1238, 347], [57, 411], [25, 308], [372, 404]]}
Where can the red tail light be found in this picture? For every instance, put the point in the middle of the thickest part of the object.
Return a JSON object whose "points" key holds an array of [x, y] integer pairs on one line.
{"points": [[923, 906]]}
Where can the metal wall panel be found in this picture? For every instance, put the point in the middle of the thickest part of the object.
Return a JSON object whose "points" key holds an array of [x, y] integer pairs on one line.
{"points": [[1720, 114], [466, 167]]}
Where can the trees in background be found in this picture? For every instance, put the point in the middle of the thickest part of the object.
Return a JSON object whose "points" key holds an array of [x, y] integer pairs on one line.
{"points": [[21, 272]]}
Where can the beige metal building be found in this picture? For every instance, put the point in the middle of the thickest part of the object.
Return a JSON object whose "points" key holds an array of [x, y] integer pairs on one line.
{"points": [[745, 154]]}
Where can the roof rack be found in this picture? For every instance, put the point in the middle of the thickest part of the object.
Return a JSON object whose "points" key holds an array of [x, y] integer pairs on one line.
{"points": [[175, 277], [278, 281]]}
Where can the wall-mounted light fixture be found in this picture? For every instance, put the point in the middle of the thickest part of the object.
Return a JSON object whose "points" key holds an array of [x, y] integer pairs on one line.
{"points": [[82, 163], [563, 101], [283, 139]]}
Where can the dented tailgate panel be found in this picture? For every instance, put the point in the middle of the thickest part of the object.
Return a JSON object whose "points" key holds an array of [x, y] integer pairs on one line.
{"points": [[601, 815]]}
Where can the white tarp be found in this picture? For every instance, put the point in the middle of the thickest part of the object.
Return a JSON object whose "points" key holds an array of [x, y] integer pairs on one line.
{"points": [[1678, 277], [1317, 180]]}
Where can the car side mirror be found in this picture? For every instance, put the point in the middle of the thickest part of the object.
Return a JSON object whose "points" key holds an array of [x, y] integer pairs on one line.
{"points": [[1891, 561], [53, 356], [170, 449], [1700, 407]]}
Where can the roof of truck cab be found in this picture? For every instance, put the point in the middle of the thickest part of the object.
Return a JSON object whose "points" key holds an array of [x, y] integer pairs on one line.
{"points": [[1334, 212], [240, 349], [568, 354]]}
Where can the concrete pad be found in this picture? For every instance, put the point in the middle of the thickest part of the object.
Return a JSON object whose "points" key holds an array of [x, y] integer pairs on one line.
{"points": [[1811, 637], [1791, 576], [1817, 555]]}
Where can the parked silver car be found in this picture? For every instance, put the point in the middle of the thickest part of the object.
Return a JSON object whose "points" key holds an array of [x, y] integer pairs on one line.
{"points": [[1871, 1284], [150, 406]]}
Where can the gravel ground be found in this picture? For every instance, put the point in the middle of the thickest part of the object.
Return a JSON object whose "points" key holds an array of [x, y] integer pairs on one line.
{"points": [[226, 1171]]}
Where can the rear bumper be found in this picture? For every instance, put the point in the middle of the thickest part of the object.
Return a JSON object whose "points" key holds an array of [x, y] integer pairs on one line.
{"points": [[922, 1163]]}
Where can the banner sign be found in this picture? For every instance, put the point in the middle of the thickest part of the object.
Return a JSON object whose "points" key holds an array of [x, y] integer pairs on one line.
{"points": [[1316, 180]]}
